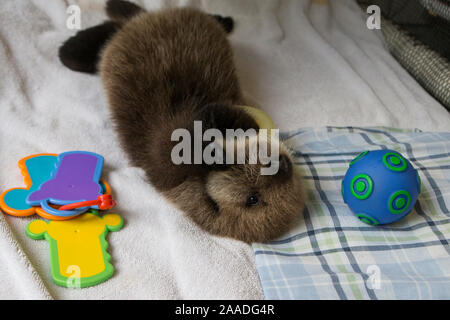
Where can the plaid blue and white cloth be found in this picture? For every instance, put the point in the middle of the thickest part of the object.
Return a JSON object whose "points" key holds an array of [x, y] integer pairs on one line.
{"points": [[330, 254]]}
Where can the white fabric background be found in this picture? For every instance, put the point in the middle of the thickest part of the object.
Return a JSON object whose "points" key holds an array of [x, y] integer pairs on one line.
{"points": [[307, 63]]}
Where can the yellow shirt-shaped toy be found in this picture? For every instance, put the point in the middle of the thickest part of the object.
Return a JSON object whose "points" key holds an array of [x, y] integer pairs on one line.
{"points": [[78, 247]]}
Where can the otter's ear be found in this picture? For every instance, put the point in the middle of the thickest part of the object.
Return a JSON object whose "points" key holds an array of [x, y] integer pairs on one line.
{"points": [[227, 23], [82, 51]]}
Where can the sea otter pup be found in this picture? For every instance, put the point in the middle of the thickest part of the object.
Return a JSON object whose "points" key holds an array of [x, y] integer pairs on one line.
{"points": [[162, 71]]}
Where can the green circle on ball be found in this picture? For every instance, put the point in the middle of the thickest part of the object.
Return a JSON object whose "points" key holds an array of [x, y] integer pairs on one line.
{"points": [[399, 163], [358, 157], [361, 186], [367, 219], [399, 202]]}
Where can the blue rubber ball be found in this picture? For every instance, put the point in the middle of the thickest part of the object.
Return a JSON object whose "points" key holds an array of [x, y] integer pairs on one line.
{"points": [[380, 186]]}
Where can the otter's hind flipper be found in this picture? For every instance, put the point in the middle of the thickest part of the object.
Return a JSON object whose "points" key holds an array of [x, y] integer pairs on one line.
{"points": [[121, 11], [82, 51]]}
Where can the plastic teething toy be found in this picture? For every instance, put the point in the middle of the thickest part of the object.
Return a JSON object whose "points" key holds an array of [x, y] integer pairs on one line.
{"points": [[103, 202], [78, 255], [260, 117], [36, 170], [75, 179], [380, 186], [71, 180]]}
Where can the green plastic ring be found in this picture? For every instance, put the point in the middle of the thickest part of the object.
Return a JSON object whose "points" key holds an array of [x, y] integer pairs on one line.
{"points": [[367, 219], [369, 188], [359, 156], [394, 196], [397, 157]]}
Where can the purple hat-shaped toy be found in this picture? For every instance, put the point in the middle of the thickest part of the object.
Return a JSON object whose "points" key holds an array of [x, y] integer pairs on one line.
{"points": [[75, 179]]}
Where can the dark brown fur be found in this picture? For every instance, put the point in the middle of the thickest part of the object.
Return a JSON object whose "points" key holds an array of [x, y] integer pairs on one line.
{"points": [[163, 70], [121, 11], [82, 52], [218, 204]]}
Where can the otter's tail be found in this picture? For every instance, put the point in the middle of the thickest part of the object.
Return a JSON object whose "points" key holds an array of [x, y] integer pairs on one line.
{"points": [[82, 51]]}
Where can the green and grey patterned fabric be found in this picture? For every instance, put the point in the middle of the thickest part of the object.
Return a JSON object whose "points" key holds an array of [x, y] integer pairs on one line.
{"points": [[331, 254]]}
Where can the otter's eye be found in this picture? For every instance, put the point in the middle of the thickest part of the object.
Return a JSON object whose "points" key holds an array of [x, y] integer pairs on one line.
{"points": [[252, 200]]}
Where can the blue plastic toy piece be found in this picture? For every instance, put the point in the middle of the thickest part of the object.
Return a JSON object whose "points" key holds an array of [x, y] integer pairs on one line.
{"points": [[36, 169], [380, 186]]}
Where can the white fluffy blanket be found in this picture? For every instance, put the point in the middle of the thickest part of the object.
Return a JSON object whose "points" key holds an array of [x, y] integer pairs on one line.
{"points": [[307, 63]]}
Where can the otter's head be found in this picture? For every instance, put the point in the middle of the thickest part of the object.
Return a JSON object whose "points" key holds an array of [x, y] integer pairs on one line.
{"points": [[248, 205]]}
